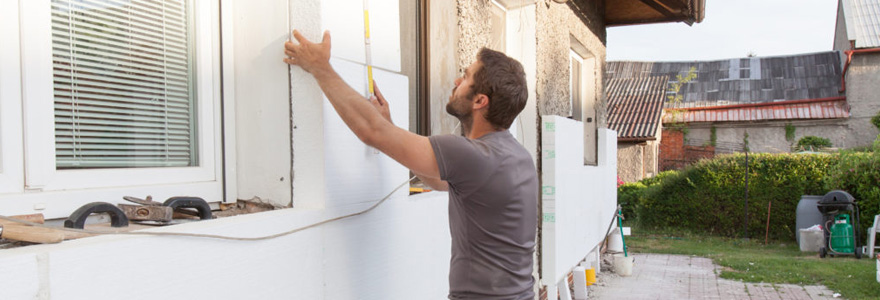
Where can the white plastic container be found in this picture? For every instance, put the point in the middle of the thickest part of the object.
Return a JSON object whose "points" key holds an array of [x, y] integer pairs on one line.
{"points": [[623, 265], [615, 243], [811, 240]]}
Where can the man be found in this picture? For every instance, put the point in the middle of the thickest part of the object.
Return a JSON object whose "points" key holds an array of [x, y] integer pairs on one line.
{"points": [[492, 182]]}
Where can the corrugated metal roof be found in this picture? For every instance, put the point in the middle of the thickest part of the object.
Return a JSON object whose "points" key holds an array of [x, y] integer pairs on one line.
{"points": [[745, 80], [863, 22], [828, 108], [635, 106]]}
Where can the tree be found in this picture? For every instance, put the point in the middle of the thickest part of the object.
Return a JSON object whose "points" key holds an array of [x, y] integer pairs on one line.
{"points": [[674, 100]]}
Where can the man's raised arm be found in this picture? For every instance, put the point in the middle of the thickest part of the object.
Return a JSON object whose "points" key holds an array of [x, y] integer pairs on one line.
{"points": [[409, 149]]}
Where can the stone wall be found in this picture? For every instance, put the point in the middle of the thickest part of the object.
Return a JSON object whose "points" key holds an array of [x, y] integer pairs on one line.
{"points": [[630, 161], [863, 96]]}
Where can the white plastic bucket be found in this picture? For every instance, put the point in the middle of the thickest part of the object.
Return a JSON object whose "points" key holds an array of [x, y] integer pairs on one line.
{"points": [[623, 265], [615, 243]]}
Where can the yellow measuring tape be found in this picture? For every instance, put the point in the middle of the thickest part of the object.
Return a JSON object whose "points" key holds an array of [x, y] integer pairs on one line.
{"points": [[369, 57]]}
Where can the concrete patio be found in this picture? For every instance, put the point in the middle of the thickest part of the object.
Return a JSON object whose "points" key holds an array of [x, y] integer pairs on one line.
{"points": [[661, 276]]}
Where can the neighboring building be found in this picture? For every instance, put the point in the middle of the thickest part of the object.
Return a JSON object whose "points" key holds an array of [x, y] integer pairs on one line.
{"points": [[183, 97], [758, 96], [857, 36], [635, 109], [829, 94]]}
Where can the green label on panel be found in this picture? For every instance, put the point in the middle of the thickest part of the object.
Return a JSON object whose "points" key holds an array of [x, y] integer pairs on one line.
{"points": [[550, 217], [550, 126], [549, 154], [549, 190]]}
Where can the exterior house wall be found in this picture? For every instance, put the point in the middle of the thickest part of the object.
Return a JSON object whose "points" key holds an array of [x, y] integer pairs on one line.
{"points": [[637, 160], [863, 96], [630, 161], [652, 155], [400, 250], [769, 136], [443, 38], [559, 24], [861, 86]]}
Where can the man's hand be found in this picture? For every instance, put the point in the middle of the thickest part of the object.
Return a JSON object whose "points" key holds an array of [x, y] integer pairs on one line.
{"points": [[380, 103], [312, 57]]}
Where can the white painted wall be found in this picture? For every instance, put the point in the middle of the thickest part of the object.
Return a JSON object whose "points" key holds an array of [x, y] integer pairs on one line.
{"points": [[578, 201]]}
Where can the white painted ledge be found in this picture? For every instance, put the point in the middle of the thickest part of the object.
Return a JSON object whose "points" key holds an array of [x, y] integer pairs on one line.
{"points": [[372, 256]]}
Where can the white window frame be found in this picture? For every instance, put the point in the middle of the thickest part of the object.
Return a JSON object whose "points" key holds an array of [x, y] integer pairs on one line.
{"points": [[45, 186], [574, 56], [588, 91], [11, 168]]}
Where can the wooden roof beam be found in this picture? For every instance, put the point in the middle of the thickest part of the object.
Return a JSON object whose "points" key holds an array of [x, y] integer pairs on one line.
{"points": [[660, 7]]}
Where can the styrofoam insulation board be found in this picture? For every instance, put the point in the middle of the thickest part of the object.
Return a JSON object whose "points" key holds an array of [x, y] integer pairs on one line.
{"points": [[308, 122], [575, 214], [345, 21], [354, 172]]}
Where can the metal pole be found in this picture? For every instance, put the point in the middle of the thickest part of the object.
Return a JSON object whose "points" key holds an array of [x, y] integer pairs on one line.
{"points": [[746, 207]]}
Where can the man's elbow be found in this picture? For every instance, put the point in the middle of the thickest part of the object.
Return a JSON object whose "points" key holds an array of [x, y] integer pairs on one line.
{"points": [[367, 137], [373, 133]]}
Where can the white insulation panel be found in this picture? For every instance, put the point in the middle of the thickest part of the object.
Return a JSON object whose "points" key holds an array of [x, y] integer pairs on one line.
{"points": [[345, 21], [575, 214]]}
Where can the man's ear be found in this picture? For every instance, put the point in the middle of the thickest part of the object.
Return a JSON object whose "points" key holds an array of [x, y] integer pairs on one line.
{"points": [[481, 101]]}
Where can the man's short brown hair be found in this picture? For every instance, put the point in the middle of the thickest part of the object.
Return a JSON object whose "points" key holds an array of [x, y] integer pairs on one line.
{"points": [[503, 81]]}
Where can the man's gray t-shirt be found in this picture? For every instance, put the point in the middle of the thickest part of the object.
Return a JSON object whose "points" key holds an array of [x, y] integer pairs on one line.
{"points": [[493, 199]]}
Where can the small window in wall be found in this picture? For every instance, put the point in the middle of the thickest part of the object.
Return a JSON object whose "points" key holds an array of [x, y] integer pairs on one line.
{"points": [[583, 96], [123, 84]]}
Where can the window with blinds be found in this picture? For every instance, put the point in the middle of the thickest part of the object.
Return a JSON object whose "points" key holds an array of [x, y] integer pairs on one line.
{"points": [[123, 84]]}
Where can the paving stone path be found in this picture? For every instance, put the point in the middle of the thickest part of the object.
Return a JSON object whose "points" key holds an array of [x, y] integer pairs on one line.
{"points": [[660, 276]]}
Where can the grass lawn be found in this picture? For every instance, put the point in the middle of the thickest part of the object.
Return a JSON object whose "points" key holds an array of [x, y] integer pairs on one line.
{"points": [[777, 262]]}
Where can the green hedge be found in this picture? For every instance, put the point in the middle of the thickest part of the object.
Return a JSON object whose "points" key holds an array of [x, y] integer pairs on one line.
{"points": [[709, 195], [629, 195]]}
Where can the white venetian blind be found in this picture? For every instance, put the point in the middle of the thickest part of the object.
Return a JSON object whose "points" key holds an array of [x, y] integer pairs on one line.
{"points": [[123, 84]]}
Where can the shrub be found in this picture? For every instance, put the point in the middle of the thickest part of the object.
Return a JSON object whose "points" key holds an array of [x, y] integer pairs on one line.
{"points": [[709, 195], [813, 142], [876, 120], [628, 196], [657, 178]]}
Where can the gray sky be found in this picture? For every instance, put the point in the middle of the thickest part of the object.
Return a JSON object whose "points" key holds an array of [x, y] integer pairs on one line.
{"points": [[732, 28]]}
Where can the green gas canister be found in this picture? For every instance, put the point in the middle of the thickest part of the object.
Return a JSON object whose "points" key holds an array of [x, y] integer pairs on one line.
{"points": [[842, 235]]}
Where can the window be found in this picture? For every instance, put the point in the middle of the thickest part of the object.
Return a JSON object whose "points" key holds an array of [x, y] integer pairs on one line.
{"points": [[122, 83], [583, 86], [118, 98]]}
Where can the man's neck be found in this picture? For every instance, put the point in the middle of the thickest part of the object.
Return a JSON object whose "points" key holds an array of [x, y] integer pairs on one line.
{"points": [[479, 128]]}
